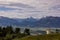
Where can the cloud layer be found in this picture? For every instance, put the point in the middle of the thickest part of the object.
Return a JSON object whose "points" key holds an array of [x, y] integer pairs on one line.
{"points": [[27, 8]]}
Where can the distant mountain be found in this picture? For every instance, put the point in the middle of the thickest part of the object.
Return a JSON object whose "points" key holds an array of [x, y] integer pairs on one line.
{"points": [[4, 21], [28, 22], [7, 21], [49, 21]]}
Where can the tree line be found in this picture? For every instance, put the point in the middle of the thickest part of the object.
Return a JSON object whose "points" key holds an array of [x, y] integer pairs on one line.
{"points": [[9, 33]]}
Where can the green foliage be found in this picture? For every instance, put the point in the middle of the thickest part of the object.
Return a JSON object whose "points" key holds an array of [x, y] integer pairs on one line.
{"points": [[9, 29], [17, 30], [27, 31], [7, 33], [57, 30]]}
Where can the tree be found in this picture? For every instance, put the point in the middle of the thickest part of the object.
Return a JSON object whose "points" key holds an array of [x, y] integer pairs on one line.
{"points": [[0, 29], [57, 30], [27, 31], [17, 30], [4, 31], [9, 29]]}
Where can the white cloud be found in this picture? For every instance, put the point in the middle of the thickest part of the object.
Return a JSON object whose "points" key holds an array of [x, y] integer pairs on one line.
{"points": [[26, 8]]}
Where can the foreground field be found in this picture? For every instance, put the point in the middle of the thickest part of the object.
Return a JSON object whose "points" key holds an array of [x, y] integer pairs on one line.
{"points": [[41, 37]]}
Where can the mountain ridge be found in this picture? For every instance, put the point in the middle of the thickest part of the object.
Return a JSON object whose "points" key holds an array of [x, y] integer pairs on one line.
{"points": [[48, 21]]}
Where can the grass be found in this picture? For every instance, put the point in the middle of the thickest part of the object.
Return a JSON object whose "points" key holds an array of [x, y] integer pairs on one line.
{"points": [[55, 36]]}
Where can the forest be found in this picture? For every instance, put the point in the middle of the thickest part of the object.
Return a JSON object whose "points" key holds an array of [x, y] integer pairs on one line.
{"points": [[9, 33]]}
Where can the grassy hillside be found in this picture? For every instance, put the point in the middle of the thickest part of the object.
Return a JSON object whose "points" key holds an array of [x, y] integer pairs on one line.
{"points": [[41, 37]]}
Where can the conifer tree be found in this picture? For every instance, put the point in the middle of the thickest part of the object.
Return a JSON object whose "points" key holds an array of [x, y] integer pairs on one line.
{"points": [[27, 31]]}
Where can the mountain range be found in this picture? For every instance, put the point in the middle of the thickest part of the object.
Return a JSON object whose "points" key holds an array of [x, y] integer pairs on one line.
{"points": [[48, 21]]}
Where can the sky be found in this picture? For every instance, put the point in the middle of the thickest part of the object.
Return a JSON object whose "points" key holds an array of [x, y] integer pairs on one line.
{"points": [[29, 8]]}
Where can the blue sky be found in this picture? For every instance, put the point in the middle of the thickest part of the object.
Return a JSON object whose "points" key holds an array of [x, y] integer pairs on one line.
{"points": [[28, 8]]}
